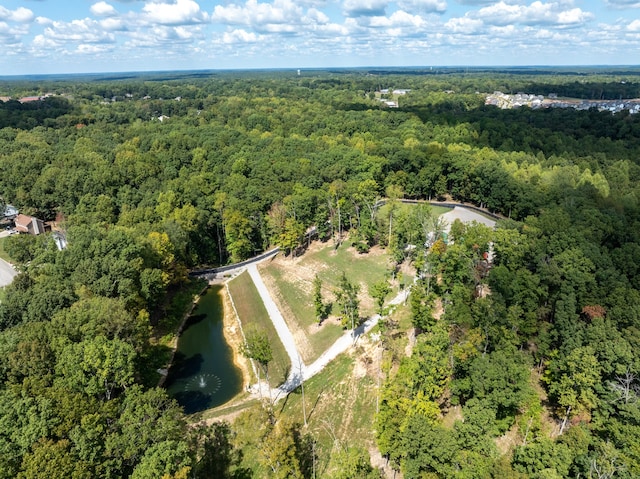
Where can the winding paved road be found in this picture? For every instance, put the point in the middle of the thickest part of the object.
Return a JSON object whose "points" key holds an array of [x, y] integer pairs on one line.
{"points": [[299, 371]]}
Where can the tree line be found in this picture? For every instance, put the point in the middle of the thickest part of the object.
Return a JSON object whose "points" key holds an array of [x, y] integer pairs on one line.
{"points": [[242, 163]]}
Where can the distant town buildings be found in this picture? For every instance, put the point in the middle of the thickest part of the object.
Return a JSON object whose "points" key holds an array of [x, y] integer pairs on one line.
{"points": [[389, 98], [506, 101], [26, 99]]}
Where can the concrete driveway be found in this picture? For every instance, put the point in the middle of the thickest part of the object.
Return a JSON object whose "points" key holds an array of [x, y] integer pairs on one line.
{"points": [[466, 216]]}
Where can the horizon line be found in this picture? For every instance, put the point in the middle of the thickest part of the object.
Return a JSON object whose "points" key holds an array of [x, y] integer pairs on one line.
{"points": [[426, 68]]}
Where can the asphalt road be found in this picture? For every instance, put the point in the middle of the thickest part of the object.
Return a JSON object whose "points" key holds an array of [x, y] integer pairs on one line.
{"points": [[466, 215], [299, 371], [7, 273]]}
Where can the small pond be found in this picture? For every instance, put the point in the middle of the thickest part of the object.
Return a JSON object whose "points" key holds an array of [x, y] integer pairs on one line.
{"points": [[203, 374]]}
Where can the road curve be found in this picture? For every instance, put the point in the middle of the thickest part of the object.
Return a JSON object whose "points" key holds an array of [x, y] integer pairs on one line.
{"points": [[7, 273], [299, 372], [233, 269]]}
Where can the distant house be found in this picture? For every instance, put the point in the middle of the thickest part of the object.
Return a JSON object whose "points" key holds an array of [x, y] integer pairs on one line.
{"points": [[10, 212], [29, 224], [28, 99]]}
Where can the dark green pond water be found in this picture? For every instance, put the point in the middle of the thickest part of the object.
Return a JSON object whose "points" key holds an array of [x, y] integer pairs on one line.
{"points": [[203, 374]]}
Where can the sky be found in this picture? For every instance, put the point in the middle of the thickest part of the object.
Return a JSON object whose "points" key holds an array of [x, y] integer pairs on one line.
{"points": [[86, 36]]}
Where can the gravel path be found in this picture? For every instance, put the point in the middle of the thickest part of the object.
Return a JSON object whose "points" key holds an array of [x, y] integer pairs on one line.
{"points": [[297, 366], [299, 371]]}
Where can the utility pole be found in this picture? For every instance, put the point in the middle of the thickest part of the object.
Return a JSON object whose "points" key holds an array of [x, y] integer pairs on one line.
{"points": [[304, 409]]}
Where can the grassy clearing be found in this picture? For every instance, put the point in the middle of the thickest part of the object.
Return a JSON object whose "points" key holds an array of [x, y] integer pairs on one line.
{"points": [[291, 284], [254, 317], [361, 269], [3, 254], [404, 208], [340, 406], [295, 303], [440, 210]]}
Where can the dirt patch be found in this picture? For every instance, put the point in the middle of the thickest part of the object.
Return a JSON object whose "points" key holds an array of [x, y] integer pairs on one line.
{"points": [[380, 462], [438, 309], [234, 337], [508, 441], [451, 416]]}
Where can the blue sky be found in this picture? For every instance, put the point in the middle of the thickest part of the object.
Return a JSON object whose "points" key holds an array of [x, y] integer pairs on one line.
{"points": [[78, 36]]}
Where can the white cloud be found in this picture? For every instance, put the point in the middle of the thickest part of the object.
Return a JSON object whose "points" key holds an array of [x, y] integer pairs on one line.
{"points": [[423, 6], [503, 13], [621, 4], [397, 19], [574, 16], [90, 49], [163, 36], [180, 12], [103, 9], [42, 42], [279, 17], [21, 14], [365, 8], [259, 13], [113, 24], [76, 32], [316, 16], [634, 26], [239, 36], [184, 33], [331, 30], [464, 25], [231, 15], [11, 35]]}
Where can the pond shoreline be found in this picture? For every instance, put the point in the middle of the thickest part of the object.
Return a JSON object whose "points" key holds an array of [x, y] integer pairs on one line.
{"points": [[174, 341], [232, 334]]}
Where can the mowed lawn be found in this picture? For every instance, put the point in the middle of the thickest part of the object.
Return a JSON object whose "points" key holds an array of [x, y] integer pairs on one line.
{"points": [[291, 284], [254, 318]]}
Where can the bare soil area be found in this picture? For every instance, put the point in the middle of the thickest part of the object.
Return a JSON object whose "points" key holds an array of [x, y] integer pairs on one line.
{"points": [[235, 339]]}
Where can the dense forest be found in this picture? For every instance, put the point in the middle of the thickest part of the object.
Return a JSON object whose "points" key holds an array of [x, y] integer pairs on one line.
{"points": [[151, 177]]}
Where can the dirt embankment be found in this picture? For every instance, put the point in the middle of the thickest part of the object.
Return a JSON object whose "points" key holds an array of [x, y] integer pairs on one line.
{"points": [[235, 338]]}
